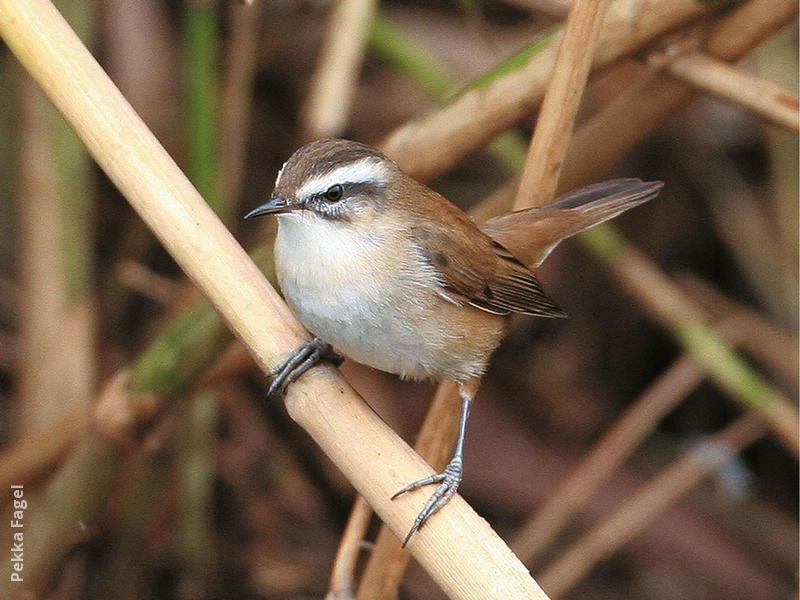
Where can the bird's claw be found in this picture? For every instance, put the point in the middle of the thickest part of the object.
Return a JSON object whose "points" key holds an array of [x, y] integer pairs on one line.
{"points": [[300, 361], [448, 481]]}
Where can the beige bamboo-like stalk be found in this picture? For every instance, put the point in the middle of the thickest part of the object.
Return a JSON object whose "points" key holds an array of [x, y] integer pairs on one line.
{"points": [[649, 501], [387, 563], [482, 111], [459, 549], [334, 82], [560, 105], [342, 581], [722, 81], [647, 103]]}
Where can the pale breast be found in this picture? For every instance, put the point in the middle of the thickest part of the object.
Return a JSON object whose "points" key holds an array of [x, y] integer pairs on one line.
{"points": [[390, 318]]}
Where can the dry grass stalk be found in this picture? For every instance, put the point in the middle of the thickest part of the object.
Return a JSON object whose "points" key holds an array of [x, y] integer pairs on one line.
{"points": [[773, 346], [617, 443], [647, 103], [333, 85], [241, 61], [42, 280], [35, 455], [747, 26], [666, 303], [649, 501], [560, 105], [342, 583], [459, 550], [56, 370], [719, 79], [476, 116], [387, 563], [135, 276]]}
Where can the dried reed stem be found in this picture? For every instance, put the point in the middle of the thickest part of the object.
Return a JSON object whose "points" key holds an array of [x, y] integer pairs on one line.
{"points": [[722, 81], [494, 103], [333, 85], [650, 500], [775, 347], [342, 582], [478, 564], [34, 455], [387, 564], [241, 61], [560, 105], [42, 280], [616, 444], [648, 102]]}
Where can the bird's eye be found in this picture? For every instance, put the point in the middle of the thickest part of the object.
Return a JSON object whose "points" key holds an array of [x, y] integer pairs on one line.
{"points": [[334, 193]]}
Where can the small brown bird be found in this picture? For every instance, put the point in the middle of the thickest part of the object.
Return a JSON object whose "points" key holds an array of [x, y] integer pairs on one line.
{"points": [[392, 275]]}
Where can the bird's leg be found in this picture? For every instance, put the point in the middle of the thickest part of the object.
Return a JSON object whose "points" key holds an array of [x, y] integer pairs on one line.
{"points": [[449, 479], [300, 361]]}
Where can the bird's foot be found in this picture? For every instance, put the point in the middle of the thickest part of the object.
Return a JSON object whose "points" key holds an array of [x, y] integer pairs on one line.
{"points": [[300, 361], [448, 481]]}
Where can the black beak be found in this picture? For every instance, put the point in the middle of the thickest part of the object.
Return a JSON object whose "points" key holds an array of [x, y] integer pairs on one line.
{"points": [[275, 205]]}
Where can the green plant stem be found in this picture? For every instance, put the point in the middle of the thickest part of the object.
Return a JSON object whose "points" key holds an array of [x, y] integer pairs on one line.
{"points": [[73, 170], [200, 25], [195, 464]]}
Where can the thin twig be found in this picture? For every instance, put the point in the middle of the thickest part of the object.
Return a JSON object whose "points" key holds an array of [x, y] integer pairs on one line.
{"points": [[560, 105], [335, 79], [646, 104], [773, 346], [136, 277], [236, 99], [616, 444], [755, 94], [494, 103], [649, 501], [36, 454], [342, 582]]}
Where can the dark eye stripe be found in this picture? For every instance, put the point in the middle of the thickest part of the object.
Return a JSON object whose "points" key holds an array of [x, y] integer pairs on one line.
{"points": [[351, 188]]}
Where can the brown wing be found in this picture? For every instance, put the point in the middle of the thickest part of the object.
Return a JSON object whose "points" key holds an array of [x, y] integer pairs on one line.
{"points": [[472, 268]]}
